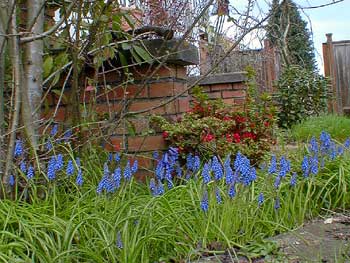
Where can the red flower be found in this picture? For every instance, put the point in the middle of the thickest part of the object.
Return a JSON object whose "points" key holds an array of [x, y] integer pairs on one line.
{"points": [[240, 119], [226, 118], [229, 138], [165, 134], [237, 138], [208, 137], [266, 124]]}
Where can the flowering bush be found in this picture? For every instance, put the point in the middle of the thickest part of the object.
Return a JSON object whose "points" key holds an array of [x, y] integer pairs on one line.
{"points": [[211, 127]]}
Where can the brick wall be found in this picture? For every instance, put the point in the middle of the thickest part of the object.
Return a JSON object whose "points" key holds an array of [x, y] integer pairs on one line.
{"points": [[146, 93]]}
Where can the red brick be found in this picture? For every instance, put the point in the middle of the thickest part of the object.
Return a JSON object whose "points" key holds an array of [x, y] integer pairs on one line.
{"points": [[114, 144], [161, 89], [169, 108], [180, 87], [218, 87], [230, 101], [239, 101], [239, 85], [143, 161], [139, 126], [181, 72], [214, 95], [60, 115], [233, 94], [118, 92], [111, 76], [148, 143], [105, 108], [146, 71], [184, 105], [141, 175]]}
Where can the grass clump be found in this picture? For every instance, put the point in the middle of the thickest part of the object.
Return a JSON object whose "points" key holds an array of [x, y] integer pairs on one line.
{"points": [[337, 126]]}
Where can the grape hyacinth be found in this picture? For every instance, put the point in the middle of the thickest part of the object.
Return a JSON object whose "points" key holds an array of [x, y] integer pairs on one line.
{"points": [[153, 186], [305, 166], [205, 202], [313, 147], [347, 143], [119, 242], [216, 167], [11, 180], [260, 199], [277, 204], [59, 162], [134, 167], [277, 182], [229, 175], [70, 168], [67, 134], [160, 188], [51, 168], [155, 155], [54, 130], [23, 166], [110, 157], [293, 179], [284, 167], [79, 180], [117, 157], [18, 148], [30, 172], [206, 173], [273, 165], [218, 195], [196, 163], [314, 165], [127, 172], [117, 177], [232, 191], [49, 145]]}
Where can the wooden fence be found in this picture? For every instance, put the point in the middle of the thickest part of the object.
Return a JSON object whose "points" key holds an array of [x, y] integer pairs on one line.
{"points": [[336, 56]]}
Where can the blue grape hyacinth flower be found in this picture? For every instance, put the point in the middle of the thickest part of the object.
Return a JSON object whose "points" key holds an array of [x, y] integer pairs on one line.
{"points": [[196, 164], [54, 130], [293, 179], [12, 180], [205, 202], [134, 167], [127, 172], [260, 199], [277, 182], [51, 168], [232, 191], [277, 204], [305, 166], [79, 180], [119, 242], [70, 168], [153, 187], [273, 165], [160, 188], [30, 172], [59, 162], [229, 174], [347, 143], [23, 166], [218, 195], [206, 173], [216, 167], [117, 177], [18, 148]]}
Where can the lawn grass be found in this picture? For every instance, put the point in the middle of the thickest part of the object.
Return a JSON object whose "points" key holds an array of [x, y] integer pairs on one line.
{"points": [[337, 126], [75, 224]]}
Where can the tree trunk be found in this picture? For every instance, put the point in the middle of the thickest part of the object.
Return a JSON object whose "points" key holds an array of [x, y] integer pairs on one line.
{"points": [[33, 70], [3, 26], [17, 77]]}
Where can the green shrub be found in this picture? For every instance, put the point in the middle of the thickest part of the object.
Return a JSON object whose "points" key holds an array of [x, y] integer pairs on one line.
{"points": [[301, 93]]}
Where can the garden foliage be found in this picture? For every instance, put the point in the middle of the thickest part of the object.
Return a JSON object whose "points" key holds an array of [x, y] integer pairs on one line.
{"points": [[301, 93], [213, 127]]}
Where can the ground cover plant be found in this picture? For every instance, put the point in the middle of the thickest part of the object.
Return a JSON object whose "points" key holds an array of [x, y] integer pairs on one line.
{"points": [[92, 209]]}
